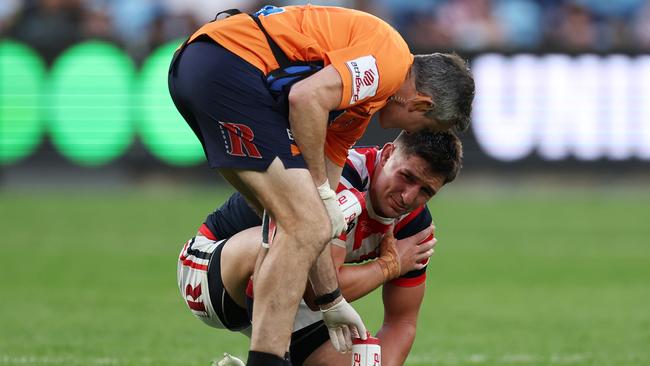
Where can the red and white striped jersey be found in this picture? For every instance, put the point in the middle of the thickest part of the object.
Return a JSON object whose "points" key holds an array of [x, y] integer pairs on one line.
{"points": [[365, 232]]}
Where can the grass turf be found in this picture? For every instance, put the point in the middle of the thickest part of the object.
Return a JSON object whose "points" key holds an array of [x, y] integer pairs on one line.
{"points": [[517, 279]]}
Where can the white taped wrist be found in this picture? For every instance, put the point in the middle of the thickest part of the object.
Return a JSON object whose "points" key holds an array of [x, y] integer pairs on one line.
{"points": [[325, 191]]}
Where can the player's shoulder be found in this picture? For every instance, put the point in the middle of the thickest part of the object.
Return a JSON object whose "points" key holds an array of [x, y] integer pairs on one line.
{"points": [[359, 166], [360, 156], [413, 222]]}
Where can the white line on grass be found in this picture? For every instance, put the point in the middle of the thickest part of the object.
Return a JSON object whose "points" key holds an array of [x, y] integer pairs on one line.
{"points": [[520, 358]]}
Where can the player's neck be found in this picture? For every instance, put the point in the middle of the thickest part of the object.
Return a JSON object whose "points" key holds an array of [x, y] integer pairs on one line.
{"points": [[373, 214]]}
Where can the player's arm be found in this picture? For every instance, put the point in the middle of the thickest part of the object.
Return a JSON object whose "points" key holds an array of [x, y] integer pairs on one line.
{"points": [[408, 254], [403, 256], [397, 333], [356, 281]]}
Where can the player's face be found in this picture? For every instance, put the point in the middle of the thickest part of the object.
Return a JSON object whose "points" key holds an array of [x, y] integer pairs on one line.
{"points": [[402, 183]]}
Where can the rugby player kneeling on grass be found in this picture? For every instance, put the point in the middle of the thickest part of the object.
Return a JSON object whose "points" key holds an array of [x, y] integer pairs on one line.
{"points": [[393, 238]]}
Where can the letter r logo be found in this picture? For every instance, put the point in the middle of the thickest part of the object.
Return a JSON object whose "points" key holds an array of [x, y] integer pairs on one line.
{"points": [[193, 293], [240, 140]]}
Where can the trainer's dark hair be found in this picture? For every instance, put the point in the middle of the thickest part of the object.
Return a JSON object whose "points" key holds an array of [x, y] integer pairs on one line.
{"points": [[442, 150], [447, 79]]}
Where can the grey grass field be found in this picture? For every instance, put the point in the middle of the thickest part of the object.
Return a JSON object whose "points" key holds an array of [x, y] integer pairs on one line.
{"points": [[550, 278]]}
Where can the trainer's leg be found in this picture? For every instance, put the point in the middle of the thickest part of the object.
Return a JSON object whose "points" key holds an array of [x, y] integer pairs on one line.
{"points": [[303, 229]]}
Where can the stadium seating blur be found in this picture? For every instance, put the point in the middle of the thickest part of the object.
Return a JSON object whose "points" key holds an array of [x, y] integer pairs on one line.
{"points": [[471, 25], [528, 56]]}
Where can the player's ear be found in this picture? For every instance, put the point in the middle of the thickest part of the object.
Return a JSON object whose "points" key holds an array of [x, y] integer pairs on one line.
{"points": [[386, 153]]}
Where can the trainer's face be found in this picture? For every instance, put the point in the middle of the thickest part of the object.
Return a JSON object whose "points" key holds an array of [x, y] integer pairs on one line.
{"points": [[395, 115], [402, 183], [406, 110]]}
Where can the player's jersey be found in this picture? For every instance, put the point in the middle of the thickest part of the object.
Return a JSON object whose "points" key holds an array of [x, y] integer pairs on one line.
{"points": [[364, 233], [370, 56]]}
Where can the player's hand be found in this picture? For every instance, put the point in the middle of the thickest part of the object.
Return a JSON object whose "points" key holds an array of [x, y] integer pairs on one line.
{"points": [[389, 259], [343, 323], [337, 219], [415, 250]]}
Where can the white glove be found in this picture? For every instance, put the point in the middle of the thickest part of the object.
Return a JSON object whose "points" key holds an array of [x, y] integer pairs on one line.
{"points": [[333, 210], [342, 323], [229, 360]]}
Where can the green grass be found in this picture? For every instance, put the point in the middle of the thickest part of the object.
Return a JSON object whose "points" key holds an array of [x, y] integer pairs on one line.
{"points": [[518, 279]]}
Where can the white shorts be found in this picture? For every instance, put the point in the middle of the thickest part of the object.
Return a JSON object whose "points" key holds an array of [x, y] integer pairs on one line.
{"points": [[306, 317], [200, 284]]}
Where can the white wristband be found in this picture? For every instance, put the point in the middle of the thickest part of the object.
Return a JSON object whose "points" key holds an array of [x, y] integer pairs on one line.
{"points": [[325, 191]]}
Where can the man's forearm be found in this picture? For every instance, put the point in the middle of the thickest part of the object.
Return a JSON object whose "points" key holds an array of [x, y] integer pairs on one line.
{"points": [[354, 289], [308, 122], [323, 275], [396, 342]]}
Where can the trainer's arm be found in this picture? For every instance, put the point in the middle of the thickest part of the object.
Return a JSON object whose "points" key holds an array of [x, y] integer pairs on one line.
{"points": [[348, 277], [401, 308], [333, 173], [310, 101]]}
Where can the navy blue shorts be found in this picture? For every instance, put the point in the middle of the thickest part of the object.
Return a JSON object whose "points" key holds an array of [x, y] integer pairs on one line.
{"points": [[225, 101]]}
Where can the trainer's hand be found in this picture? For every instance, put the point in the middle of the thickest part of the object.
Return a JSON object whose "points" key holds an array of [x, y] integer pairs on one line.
{"points": [[333, 210], [343, 322]]}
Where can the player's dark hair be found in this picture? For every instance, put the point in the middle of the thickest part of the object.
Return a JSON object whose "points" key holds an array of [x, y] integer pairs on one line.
{"points": [[442, 150], [446, 78]]}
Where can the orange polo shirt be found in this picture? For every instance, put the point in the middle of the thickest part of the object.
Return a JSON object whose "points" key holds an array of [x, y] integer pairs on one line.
{"points": [[370, 56]]}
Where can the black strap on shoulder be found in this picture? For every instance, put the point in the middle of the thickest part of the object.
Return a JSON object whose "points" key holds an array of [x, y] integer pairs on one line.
{"points": [[280, 57], [230, 12]]}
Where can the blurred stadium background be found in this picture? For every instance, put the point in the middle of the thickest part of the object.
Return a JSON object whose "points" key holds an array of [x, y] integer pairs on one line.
{"points": [[543, 255]]}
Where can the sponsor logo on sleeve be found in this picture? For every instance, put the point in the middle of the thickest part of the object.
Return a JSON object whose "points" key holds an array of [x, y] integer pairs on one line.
{"points": [[365, 78]]}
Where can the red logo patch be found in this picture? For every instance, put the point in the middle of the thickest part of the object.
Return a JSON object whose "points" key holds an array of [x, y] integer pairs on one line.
{"points": [[240, 140], [368, 77], [194, 293]]}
